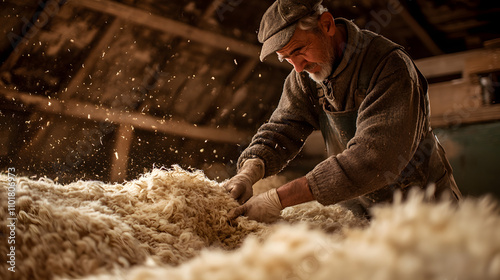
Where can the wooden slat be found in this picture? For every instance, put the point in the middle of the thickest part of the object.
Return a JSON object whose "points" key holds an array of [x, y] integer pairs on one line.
{"points": [[89, 111], [494, 43], [459, 27], [487, 62], [448, 97], [458, 102], [472, 115], [447, 64]]}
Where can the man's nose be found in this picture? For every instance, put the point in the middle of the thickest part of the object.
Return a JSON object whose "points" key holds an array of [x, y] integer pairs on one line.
{"points": [[298, 63]]}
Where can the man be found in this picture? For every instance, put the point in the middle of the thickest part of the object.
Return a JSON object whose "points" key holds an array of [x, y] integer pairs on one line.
{"points": [[366, 96]]}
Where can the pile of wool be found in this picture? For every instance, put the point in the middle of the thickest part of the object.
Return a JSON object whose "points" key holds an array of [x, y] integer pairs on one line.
{"points": [[406, 240], [88, 227], [333, 219], [165, 217]]}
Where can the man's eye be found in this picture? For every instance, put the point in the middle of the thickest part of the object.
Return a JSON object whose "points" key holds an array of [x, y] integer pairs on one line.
{"points": [[297, 51]]}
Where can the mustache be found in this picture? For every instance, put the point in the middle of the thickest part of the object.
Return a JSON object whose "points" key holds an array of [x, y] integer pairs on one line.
{"points": [[310, 67]]}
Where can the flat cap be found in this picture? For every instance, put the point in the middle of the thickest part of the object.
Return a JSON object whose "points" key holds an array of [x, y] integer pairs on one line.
{"points": [[279, 21]]}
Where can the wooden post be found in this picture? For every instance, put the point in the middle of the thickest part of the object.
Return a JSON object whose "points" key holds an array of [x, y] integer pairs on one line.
{"points": [[119, 158]]}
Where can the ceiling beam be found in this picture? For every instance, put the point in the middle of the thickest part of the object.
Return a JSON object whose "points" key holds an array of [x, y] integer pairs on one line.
{"points": [[91, 59], [88, 111], [212, 8], [29, 33], [174, 27], [420, 33]]}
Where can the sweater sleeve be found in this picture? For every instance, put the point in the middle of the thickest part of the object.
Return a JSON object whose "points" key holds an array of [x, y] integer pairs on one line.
{"points": [[280, 139], [390, 124]]}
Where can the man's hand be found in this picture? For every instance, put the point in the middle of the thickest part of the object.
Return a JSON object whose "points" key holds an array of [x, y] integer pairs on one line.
{"points": [[240, 186], [265, 207]]}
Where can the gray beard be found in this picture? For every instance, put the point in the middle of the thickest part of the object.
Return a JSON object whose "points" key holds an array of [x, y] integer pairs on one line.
{"points": [[326, 70]]}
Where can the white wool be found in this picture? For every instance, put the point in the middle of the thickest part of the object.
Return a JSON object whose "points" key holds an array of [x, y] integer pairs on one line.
{"points": [[90, 227], [172, 224], [413, 240], [330, 219]]}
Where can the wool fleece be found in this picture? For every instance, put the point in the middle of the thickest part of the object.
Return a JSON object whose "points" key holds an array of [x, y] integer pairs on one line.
{"points": [[165, 217], [411, 240]]}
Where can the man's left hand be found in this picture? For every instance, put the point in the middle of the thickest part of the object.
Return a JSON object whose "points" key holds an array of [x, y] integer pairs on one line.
{"points": [[265, 207]]}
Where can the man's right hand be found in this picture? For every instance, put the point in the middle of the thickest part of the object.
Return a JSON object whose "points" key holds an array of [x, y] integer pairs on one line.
{"points": [[265, 208], [240, 186]]}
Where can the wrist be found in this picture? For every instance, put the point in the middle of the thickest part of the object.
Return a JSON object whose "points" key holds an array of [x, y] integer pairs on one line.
{"points": [[295, 192], [253, 169], [274, 199]]}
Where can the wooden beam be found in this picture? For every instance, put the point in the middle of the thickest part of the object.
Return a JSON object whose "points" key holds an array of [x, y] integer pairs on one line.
{"points": [[465, 63], [487, 62], [459, 102], [174, 27], [462, 26], [212, 8], [420, 32], [491, 44], [83, 110], [227, 94], [91, 60], [119, 159], [30, 33], [472, 115], [453, 96], [447, 64]]}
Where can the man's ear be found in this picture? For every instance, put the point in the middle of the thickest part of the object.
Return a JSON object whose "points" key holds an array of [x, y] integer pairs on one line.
{"points": [[327, 23]]}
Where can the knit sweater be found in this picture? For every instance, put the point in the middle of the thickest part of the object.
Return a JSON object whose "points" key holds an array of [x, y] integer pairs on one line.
{"points": [[393, 118]]}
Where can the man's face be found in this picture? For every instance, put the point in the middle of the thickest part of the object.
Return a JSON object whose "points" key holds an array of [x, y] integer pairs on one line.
{"points": [[310, 51]]}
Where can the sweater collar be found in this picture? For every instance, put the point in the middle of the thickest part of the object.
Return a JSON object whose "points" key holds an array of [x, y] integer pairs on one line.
{"points": [[350, 47]]}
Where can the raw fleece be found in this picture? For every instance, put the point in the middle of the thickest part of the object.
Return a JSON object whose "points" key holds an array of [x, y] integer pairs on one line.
{"points": [[166, 217], [412, 240]]}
